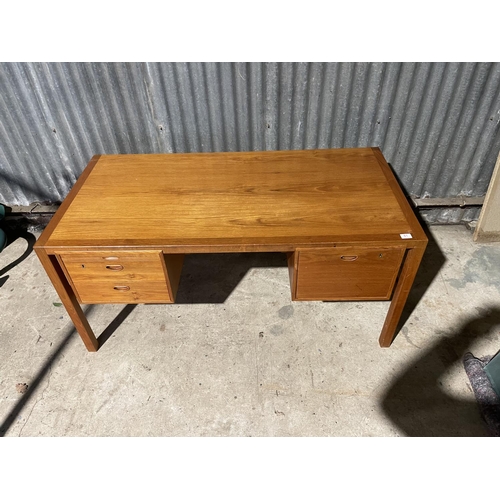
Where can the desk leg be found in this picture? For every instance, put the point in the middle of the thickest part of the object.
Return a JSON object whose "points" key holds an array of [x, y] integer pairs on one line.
{"points": [[68, 298], [401, 292]]}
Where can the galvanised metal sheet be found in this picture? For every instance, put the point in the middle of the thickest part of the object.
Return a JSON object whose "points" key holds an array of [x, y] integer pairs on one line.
{"points": [[436, 123]]}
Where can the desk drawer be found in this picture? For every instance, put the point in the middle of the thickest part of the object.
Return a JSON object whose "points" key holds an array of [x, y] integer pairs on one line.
{"points": [[122, 291], [349, 273], [110, 266], [117, 277]]}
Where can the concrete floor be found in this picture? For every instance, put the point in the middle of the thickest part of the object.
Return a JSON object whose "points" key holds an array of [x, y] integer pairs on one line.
{"points": [[235, 357]]}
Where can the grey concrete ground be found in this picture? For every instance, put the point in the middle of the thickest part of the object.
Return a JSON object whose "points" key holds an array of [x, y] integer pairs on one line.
{"points": [[235, 357]]}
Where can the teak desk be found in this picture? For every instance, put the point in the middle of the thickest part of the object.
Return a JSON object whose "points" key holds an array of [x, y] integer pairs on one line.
{"points": [[339, 214]]}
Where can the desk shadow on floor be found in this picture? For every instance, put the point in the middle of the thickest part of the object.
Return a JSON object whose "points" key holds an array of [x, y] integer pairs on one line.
{"points": [[432, 261], [211, 278], [112, 327], [53, 357], [416, 401]]}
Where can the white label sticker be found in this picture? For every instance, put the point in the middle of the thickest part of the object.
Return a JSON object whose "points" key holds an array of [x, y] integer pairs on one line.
{"points": [[406, 236]]}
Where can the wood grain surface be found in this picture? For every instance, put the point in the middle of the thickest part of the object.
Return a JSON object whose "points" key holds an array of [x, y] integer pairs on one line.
{"points": [[54, 221], [123, 291], [340, 215], [130, 277], [89, 266], [209, 199], [351, 273]]}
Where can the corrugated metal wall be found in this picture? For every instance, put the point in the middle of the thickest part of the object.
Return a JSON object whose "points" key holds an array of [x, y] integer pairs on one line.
{"points": [[436, 123]]}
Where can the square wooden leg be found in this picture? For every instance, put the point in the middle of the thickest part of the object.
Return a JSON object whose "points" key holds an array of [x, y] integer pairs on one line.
{"points": [[401, 292], [68, 298]]}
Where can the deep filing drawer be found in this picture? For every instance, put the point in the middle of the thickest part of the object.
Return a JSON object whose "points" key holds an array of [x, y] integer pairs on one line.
{"points": [[348, 273], [129, 277]]}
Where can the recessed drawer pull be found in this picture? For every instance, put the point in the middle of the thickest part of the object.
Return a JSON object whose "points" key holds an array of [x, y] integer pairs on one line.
{"points": [[122, 288], [116, 267], [349, 257], [110, 258]]}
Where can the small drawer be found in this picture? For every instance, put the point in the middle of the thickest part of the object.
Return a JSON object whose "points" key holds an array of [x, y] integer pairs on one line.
{"points": [[348, 273], [122, 291], [131, 277], [112, 266]]}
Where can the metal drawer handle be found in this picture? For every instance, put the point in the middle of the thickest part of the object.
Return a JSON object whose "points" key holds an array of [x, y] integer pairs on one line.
{"points": [[116, 267], [122, 288], [349, 257]]}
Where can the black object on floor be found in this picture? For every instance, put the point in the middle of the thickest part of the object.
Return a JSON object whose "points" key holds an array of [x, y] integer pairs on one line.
{"points": [[486, 397]]}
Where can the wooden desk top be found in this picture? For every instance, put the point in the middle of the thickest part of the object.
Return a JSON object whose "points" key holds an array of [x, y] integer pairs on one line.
{"points": [[208, 202]]}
